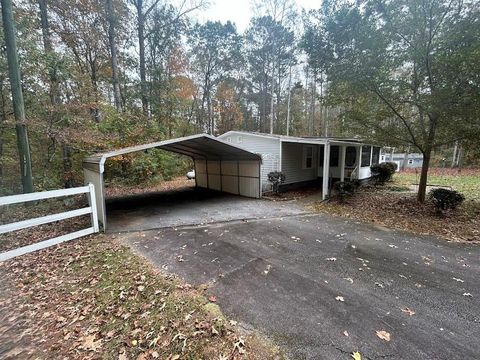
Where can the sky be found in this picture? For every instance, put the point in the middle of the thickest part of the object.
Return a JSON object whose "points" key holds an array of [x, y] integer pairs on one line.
{"points": [[240, 11]]}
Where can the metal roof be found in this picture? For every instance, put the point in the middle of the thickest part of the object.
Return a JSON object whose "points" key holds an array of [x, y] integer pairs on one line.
{"points": [[200, 146], [300, 139]]}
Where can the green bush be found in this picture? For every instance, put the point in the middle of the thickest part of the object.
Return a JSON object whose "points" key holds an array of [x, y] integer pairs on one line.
{"points": [[381, 173], [445, 199]]}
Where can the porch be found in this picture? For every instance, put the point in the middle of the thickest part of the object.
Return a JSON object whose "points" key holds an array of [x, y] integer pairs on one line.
{"points": [[327, 161]]}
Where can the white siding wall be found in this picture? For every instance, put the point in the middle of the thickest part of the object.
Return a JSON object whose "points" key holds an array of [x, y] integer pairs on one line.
{"points": [[292, 163], [268, 148]]}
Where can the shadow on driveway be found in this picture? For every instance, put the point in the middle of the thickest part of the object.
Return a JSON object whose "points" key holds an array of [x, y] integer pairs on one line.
{"points": [[189, 206]]}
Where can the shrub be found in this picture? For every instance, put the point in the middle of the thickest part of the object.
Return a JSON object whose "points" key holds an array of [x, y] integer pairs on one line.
{"points": [[381, 173], [344, 189], [445, 199], [276, 178]]}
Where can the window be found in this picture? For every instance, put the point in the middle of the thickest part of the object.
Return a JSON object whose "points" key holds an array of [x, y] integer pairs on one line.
{"points": [[321, 155], [229, 139], [239, 139], [350, 156], [307, 157], [366, 152], [410, 161], [334, 155], [376, 155]]}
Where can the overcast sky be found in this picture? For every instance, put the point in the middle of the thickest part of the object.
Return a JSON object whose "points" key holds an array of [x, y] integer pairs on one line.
{"points": [[240, 11]]}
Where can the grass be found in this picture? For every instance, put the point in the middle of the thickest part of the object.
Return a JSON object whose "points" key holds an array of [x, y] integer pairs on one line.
{"points": [[465, 181], [93, 298]]}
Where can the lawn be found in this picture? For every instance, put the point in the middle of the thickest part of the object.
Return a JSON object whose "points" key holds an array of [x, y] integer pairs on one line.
{"points": [[466, 181]]}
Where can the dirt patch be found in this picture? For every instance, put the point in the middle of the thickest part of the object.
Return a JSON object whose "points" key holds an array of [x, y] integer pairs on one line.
{"points": [[114, 191], [93, 298], [400, 210]]}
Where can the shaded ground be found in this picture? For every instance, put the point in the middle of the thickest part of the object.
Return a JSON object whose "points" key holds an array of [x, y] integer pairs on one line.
{"points": [[189, 206], [287, 277], [94, 299]]}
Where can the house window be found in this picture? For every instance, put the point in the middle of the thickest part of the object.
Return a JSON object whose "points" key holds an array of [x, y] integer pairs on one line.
{"points": [[307, 157], [334, 155], [410, 161], [350, 156], [376, 155], [239, 139], [366, 152], [229, 139]]}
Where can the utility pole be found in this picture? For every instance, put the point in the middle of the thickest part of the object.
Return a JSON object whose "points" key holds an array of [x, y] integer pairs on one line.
{"points": [[17, 96]]}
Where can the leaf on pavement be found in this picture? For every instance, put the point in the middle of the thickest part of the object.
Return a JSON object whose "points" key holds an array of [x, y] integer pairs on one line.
{"points": [[382, 334], [356, 355], [340, 298], [408, 311], [345, 333], [212, 298]]}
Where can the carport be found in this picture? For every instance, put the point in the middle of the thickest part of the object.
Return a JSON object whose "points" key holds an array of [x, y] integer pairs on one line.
{"points": [[218, 165]]}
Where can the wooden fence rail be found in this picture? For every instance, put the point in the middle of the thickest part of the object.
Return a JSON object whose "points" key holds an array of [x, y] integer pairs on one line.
{"points": [[15, 199]]}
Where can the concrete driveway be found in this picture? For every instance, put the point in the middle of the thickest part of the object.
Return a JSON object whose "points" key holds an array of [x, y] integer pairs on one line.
{"points": [[189, 206], [287, 277]]}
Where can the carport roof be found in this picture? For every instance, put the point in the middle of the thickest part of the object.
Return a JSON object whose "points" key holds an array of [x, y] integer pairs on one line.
{"points": [[200, 146]]}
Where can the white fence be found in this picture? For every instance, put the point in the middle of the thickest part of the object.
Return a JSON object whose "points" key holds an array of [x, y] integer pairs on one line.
{"points": [[15, 199]]}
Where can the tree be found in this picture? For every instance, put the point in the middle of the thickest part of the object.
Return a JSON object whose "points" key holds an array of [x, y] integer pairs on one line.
{"points": [[17, 96], [112, 24], [227, 108], [270, 53], [144, 9], [215, 54], [405, 71]]}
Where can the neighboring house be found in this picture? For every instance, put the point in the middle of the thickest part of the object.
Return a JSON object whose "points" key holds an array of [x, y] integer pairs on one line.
{"points": [[308, 159], [403, 160]]}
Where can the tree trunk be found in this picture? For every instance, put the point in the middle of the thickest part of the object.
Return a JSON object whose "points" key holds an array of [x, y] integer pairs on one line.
{"points": [[17, 96], [422, 186], [113, 53], [141, 51]]}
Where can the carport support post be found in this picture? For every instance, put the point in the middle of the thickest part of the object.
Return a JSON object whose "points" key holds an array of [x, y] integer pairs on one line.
{"points": [[326, 170], [342, 162]]}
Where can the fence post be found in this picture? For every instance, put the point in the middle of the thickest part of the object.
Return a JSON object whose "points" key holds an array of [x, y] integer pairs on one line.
{"points": [[93, 205]]}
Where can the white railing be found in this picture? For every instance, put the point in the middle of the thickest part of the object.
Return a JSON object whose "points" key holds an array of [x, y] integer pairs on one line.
{"points": [[15, 199]]}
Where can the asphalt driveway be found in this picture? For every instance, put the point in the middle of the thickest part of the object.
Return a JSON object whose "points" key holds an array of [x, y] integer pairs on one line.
{"points": [[287, 277]]}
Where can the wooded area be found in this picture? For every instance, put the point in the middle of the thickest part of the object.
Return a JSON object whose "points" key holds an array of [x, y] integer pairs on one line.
{"points": [[101, 74]]}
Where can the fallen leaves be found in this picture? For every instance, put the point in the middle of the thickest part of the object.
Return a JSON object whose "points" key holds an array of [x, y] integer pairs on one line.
{"points": [[356, 355], [331, 259], [340, 298], [89, 343], [382, 334], [408, 311], [99, 300], [212, 298]]}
